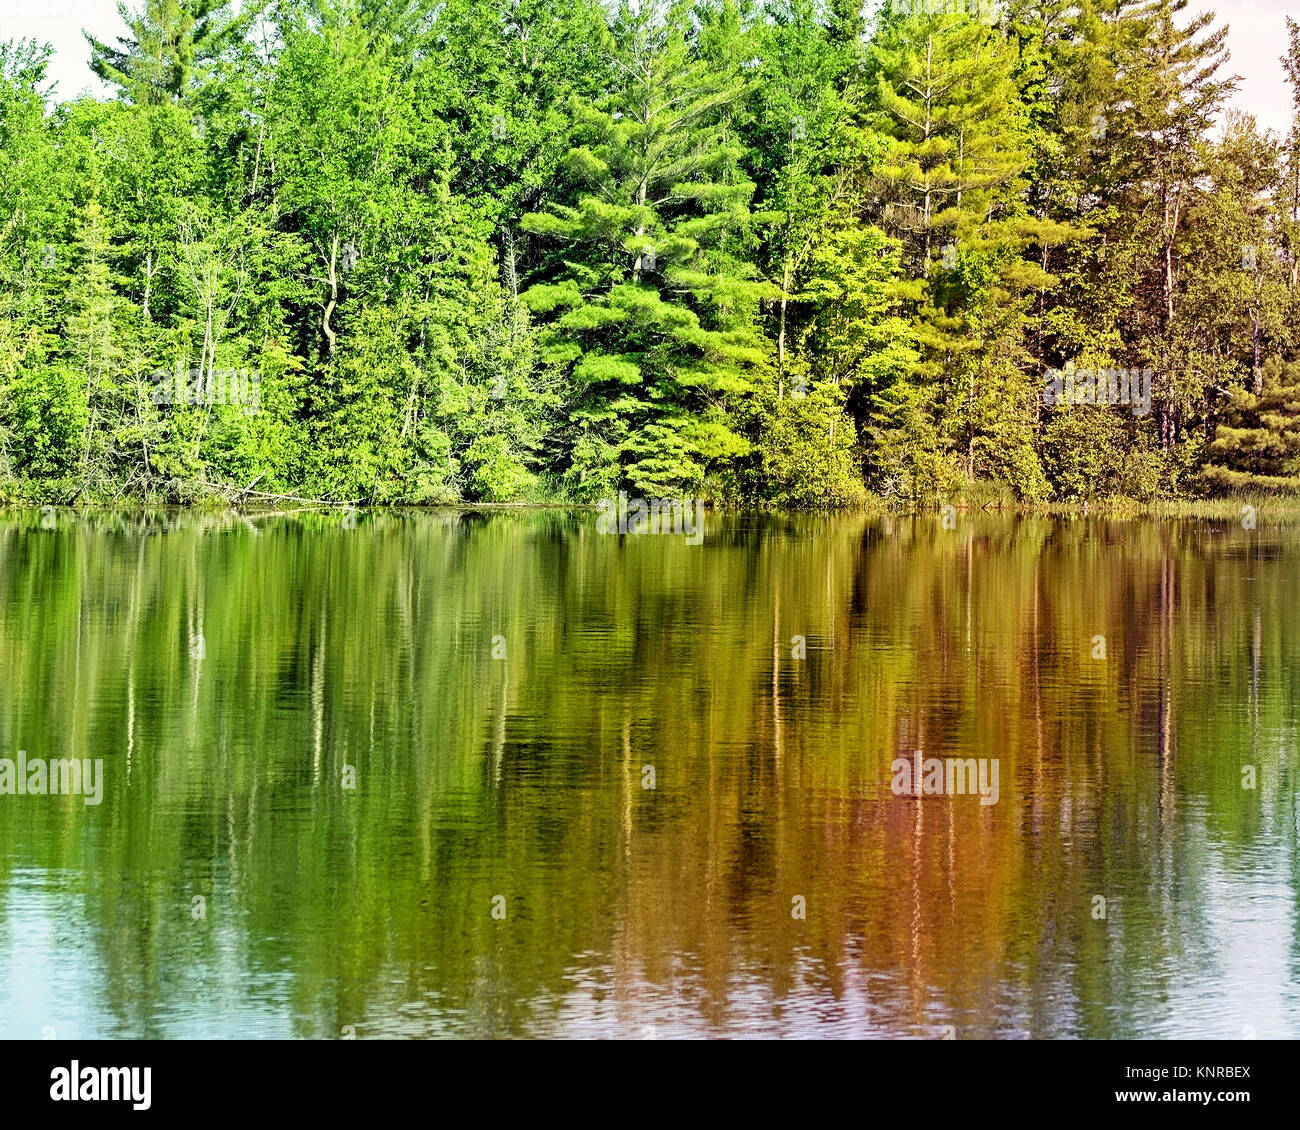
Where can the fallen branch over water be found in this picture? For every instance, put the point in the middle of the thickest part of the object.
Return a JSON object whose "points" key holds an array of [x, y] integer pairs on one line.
{"points": [[295, 498], [250, 486]]}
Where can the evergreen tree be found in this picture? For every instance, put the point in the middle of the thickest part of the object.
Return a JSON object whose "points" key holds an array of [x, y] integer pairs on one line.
{"points": [[524, 249], [169, 43], [1258, 449], [950, 188], [649, 303]]}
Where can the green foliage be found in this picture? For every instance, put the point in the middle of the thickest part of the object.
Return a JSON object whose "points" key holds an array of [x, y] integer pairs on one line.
{"points": [[1090, 452], [169, 43], [1258, 448], [518, 250], [807, 451], [648, 301]]}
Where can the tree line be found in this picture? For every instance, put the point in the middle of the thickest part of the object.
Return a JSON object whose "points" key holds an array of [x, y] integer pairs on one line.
{"points": [[753, 251]]}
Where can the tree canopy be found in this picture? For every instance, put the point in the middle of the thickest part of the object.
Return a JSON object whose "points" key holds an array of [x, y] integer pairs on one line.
{"points": [[753, 251]]}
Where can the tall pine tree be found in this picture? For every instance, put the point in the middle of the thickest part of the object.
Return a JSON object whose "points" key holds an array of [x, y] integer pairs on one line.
{"points": [[647, 294]]}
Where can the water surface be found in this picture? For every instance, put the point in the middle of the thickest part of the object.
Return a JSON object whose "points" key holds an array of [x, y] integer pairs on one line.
{"points": [[498, 685]]}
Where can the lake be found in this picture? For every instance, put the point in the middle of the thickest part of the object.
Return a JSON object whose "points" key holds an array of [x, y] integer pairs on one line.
{"points": [[436, 774]]}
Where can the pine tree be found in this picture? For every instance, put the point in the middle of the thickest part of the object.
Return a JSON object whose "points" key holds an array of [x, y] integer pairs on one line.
{"points": [[951, 189], [649, 302], [1259, 448], [170, 41], [946, 103]]}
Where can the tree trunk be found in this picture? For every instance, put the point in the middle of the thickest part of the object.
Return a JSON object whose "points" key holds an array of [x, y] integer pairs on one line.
{"points": [[149, 270], [780, 335], [334, 293]]}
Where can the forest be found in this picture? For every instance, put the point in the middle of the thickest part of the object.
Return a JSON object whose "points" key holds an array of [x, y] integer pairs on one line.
{"points": [[755, 252]]}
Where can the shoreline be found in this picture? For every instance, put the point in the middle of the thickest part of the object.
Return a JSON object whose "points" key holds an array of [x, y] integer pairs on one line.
{"points": [[1237, 508]]}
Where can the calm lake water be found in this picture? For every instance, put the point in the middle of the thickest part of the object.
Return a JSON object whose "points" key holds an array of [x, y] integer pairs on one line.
{"points": [[504, 687]]}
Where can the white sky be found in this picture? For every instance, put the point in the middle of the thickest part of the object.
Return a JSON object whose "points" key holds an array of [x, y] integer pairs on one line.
{"points": [[1257, 38]]}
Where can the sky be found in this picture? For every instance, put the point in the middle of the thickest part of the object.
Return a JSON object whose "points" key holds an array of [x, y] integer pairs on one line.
{"points": [[1257, 37]]}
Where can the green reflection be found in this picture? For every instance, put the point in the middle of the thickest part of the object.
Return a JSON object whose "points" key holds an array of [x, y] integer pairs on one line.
{"points": [[228, 669]]}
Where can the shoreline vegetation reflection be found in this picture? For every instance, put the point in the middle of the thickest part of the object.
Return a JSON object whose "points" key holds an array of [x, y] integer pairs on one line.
{"points": [[392, 776]]}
